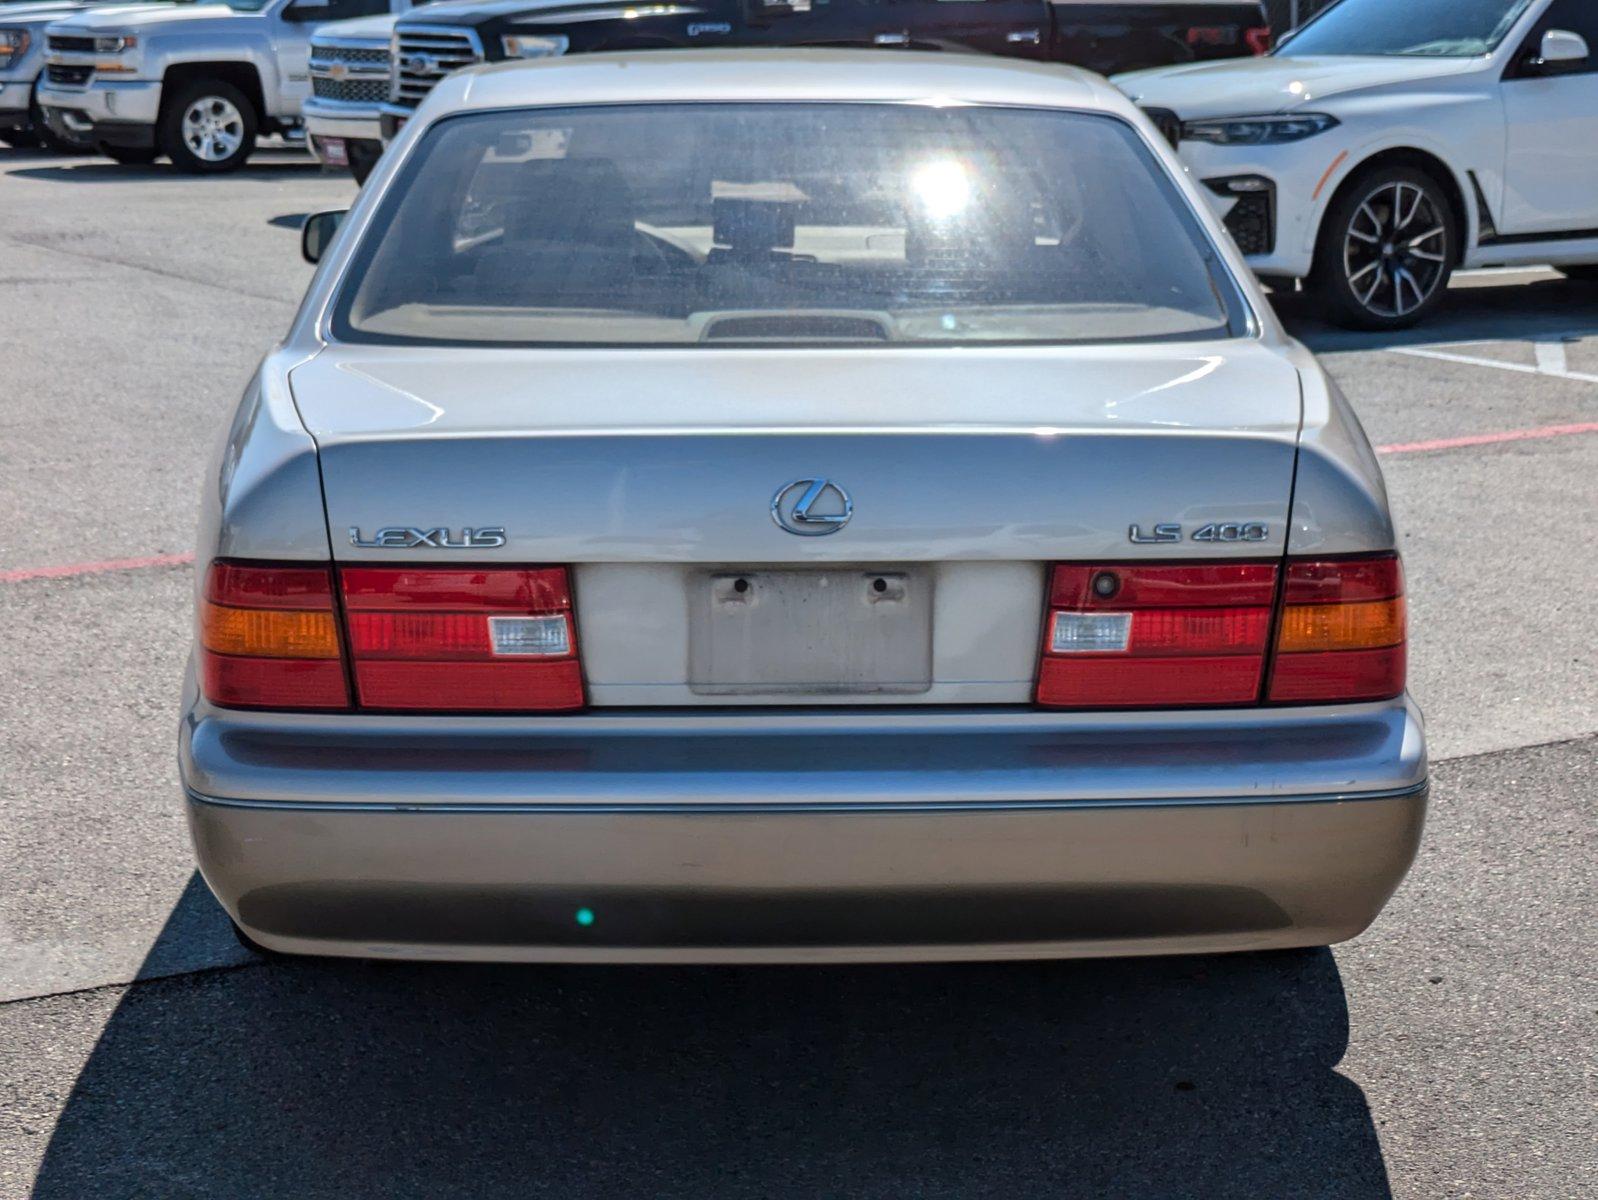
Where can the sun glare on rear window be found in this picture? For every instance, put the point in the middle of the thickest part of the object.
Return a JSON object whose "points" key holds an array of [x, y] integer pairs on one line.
{"points": [[778, 224]]}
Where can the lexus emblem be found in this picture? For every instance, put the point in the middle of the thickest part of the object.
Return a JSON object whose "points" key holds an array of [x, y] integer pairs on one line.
{"points": [[811, 507]]}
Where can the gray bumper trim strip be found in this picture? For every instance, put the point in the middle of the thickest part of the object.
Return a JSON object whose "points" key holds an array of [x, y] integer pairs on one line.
{"points": [[313, 806]]}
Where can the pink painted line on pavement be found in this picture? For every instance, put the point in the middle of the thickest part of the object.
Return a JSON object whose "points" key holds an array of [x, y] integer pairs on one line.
{"points": [[1490, 439], [23, 574]]}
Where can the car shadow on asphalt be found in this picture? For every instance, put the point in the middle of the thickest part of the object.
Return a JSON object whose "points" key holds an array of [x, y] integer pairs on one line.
{"points": [[1208, 1077], [260, 170], [1537, 310]]}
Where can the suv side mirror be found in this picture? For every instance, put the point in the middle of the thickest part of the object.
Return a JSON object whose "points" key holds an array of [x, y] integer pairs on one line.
{"points": [[317, 233], [1560, 48]]}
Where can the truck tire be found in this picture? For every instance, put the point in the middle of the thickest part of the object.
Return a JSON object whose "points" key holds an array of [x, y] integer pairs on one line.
{"points": [[1386, 250], [207, 127], [362, 163]]}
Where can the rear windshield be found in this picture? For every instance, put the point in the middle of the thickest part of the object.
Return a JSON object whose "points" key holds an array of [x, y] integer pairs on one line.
{"points": [[829, 224]]}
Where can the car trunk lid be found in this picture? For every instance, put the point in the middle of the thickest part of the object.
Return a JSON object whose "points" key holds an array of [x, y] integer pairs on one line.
{"points": [[664, 478]]}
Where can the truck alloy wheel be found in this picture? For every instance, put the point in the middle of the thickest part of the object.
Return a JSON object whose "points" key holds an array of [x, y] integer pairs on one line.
{"points": [[213, 129], [208, 127]]}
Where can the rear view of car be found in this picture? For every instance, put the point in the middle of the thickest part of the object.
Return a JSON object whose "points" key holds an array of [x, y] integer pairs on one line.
{"points": [[787, 506]]}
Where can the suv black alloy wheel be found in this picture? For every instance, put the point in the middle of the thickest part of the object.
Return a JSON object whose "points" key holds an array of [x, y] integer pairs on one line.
{"points": [[1386, 250]]}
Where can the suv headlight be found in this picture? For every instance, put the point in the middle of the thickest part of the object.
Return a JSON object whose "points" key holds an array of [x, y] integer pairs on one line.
{"points": [[13, 45], [1259, 131], [526, 45]]}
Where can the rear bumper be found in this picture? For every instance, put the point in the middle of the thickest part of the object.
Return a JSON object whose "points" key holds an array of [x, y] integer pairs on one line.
{"points": [[802, 836]]}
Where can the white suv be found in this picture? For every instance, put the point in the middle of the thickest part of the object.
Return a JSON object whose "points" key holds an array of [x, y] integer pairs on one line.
{"points": [[1385, 144]]}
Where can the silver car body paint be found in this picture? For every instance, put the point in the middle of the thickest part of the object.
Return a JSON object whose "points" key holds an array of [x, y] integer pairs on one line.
{"points": [[647, 468]]}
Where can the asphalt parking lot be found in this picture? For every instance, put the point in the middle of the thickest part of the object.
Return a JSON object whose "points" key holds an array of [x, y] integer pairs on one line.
{"points": [[1449, 1052]]}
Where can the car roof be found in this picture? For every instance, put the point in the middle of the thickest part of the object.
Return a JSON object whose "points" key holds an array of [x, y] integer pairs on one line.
{"points": [[884, 76]]}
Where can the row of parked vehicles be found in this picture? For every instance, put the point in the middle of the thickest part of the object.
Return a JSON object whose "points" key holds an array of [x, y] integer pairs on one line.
{"points": [[199, 82], [1374, 151]]}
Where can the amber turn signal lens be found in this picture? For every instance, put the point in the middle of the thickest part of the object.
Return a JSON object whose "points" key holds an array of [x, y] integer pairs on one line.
{"points": [[1361, 626], [268, 633]]}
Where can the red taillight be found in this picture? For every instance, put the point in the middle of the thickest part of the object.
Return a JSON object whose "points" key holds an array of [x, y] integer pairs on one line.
{"points": [[459, 639], [269, 638], [1156, 636], [1258, 39], [1187, 635], [1342, 632]]}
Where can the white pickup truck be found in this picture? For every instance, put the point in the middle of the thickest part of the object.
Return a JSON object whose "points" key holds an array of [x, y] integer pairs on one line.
{"points": [[196, 82]]}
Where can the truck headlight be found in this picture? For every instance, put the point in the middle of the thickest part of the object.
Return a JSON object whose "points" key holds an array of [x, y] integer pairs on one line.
{"points": [[1258, 131], [115, 45], [544, 45], [13, 45]]}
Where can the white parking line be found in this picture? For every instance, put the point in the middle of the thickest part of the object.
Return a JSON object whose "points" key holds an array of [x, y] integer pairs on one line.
{"points": [[1551, 358], [1550, 353]]}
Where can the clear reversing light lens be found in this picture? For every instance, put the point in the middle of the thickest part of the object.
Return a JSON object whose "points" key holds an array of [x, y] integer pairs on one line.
{"points": [[1090, 633], [462, 639], [1136, 635], [530, 635]]}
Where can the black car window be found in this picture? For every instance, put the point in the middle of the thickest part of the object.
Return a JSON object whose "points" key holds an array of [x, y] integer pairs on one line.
{"points": [[705, 223], [1575, 16]]}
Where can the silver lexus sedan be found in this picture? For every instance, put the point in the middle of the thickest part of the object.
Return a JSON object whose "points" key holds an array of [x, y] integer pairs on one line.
{"points": [[793, 506]]}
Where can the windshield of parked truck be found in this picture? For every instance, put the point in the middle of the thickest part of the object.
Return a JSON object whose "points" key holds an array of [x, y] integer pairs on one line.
{"points": [[1437, 28], [814, 223]]}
